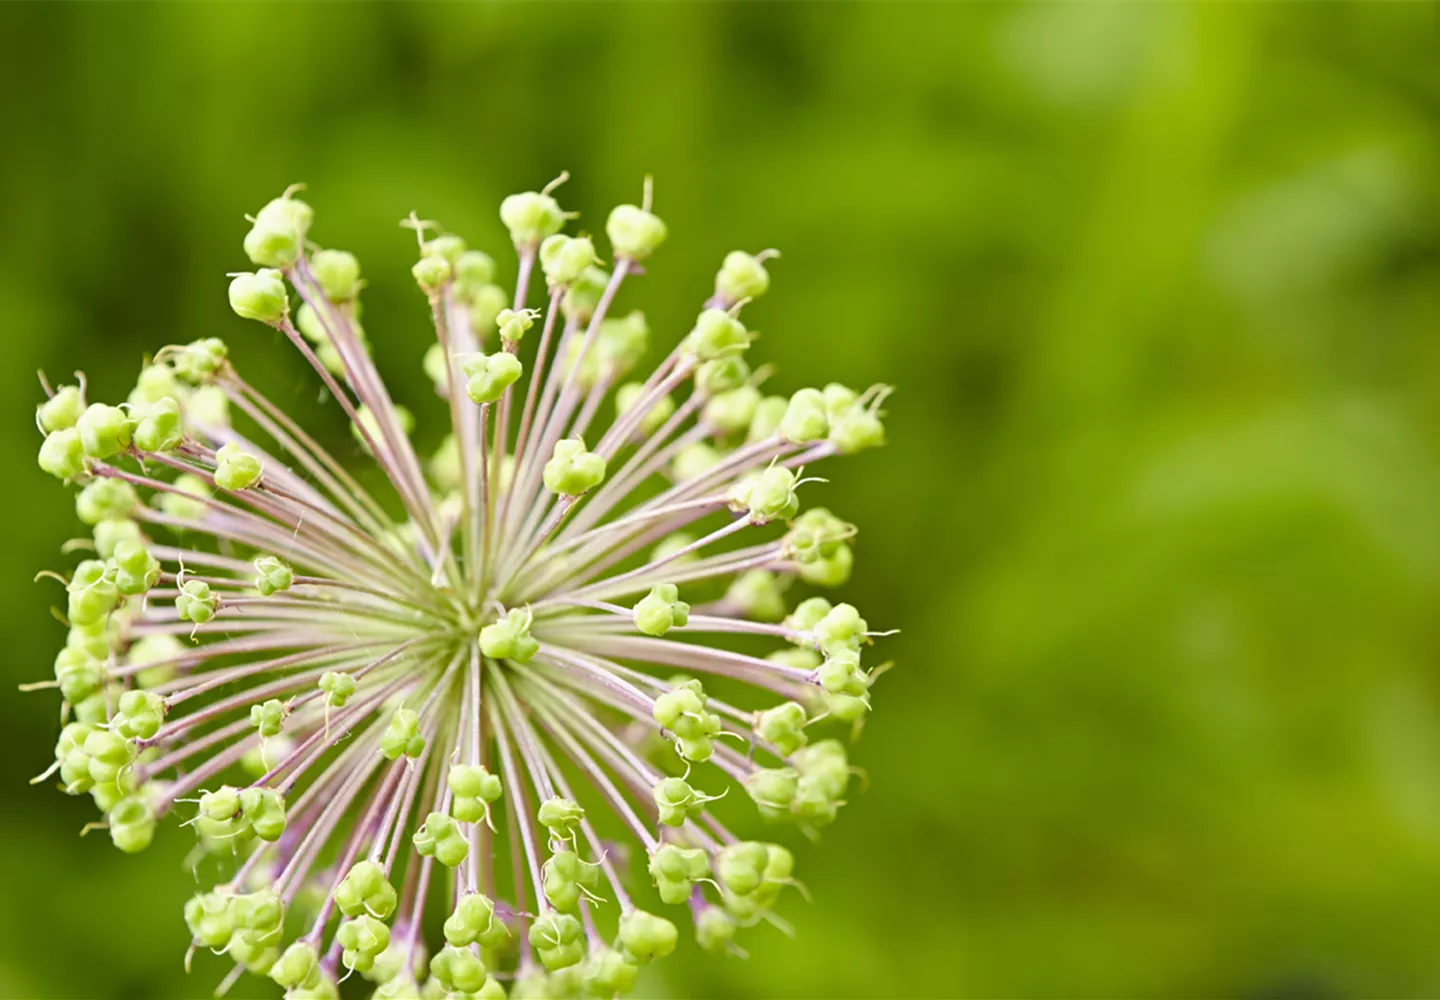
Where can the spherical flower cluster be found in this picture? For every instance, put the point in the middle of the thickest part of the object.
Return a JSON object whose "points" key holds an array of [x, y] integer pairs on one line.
{"points": [[487, 691]]}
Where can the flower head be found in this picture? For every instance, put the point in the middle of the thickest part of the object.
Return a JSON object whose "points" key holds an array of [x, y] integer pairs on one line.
{"points": [[467, 692]]}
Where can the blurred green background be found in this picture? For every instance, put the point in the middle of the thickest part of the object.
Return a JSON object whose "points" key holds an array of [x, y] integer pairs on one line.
{"points": [[1160, 288]]}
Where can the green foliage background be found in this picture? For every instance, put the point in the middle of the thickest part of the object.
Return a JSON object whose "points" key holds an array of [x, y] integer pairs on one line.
{"points": [[1160, 287]]}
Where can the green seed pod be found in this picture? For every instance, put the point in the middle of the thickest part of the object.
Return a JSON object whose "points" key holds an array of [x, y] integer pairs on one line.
{"points": [[634, 232], [677, 801], [259, 296], [363, 938], [509, 638], [141, 715], [264, 810], [162, 428], [272, 576], [628, 396], [742, 276], [298, 965], [80, 674], [573, 471], [441, 837], [474, 920], [558, 939], [154, 649], [644, 937], [841, 628], [732, 411], [661, 610], [268, 718], [364, 889], [564, 258], [62, 454], [186, 501], [459, 970], [135, 569], [272, 244], [92, 593], [608, 974], [196, 603], [431, 273], [769, 496], [765, 421], [773, 789], [109, 535], [132, 825], [717, 334], [62, 410], [759, 595], [561, 816], [714, 928], [531, 217], [109, 754], [807, 613], [583, 296], [486, 305], [104, 430], [105, 500], [403, 736], [783, 726], [474, 269], [207, 914], [235, 468], [338, 274], [338, 688], [805, 420], [490, 375], [694, 461]]}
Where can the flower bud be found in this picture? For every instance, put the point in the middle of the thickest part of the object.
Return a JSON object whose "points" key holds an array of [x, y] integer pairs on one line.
{"points": [[490, 375], [235, 468], [196, 603], [62, 454], [634, 232], [661, 610], [564, 258], [104, 430], [61, 410], [531, 216], [338, 274], [161, 429], [644, 936], [272, 576], [403, 736], [572, 470], [509, 638], [259, 296], [717, 334], [105, 500], [742, 276]]}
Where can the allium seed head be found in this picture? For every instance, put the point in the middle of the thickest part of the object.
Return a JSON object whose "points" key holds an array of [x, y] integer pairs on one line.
{"points": [[441, 697]]}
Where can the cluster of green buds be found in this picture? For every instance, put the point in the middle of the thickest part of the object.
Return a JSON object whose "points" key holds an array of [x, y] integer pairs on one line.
{"points": [[359, 688]]}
